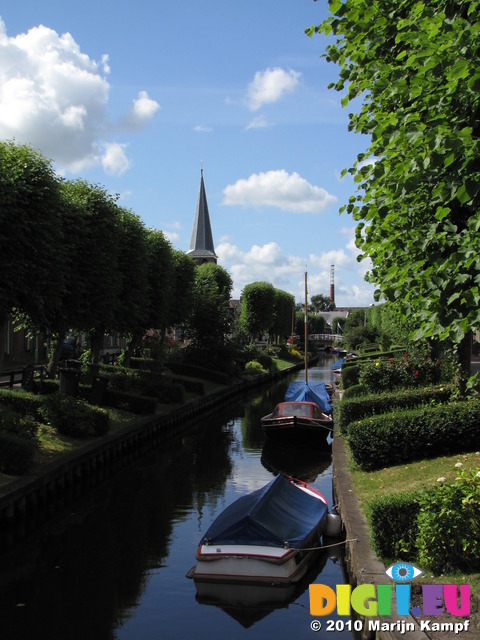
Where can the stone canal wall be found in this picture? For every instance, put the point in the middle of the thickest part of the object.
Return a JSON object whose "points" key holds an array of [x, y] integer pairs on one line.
{"points": [[30, 500]]}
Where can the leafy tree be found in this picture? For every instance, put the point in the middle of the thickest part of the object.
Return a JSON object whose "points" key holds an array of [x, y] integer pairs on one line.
{"points": [[97, 280], [257, 313], [182, 288], [133, 302], [31, 237], [319, 302], [356, 330], [416, 66], [161, 281], [283, 308], [210, 318]]}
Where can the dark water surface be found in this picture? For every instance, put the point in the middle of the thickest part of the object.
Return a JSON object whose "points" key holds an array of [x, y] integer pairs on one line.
{"points": [[113, 566]]}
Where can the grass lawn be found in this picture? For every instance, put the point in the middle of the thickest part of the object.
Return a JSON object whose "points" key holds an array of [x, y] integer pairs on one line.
{"points": [[409, 477]]}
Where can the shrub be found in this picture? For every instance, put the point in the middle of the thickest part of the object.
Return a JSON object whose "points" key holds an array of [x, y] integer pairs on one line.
{"points": [[130, 401], [295, 355], [73, 417], [22, 426], [352, 409], [16, 454], [23, 402], [449, 525], [412, 434], [265, 360], [354, 391], [393, 523], [386, 373], [350, 375], [254, 368]]}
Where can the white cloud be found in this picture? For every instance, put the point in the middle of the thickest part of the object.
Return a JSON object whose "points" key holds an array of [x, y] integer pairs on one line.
{"points": [[54, 97], [114, 159], [171, 236], [338, 257], [143, 110], [144, 107], [201, 128], [268, 263], [270, 85], [289, 192], [258, 122]]}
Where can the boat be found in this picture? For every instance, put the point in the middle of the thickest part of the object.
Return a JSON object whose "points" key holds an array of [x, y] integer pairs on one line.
{"points": [[305, 416], [269, 536], [299, 423]]}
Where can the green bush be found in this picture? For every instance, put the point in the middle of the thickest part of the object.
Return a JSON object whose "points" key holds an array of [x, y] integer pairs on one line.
{"points": [[16, 454], [73, 417], [386, 373], [411, 434], [130, 401], [195, 371], [265, 360], [23, 402], [393, 523], [354, 391], [449, 525], [164, 392], [354, 409], [254, 368], [23, 426], [350, 375]]}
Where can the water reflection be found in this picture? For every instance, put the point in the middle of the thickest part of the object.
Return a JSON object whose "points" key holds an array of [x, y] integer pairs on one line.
{"points": [[113, 566], [250, 603]]}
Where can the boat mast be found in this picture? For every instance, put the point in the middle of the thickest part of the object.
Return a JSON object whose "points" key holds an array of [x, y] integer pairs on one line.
{"points": [[306, 331]]}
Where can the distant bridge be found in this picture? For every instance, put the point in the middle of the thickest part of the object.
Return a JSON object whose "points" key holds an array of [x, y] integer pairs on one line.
{"points": [[326, 337]]}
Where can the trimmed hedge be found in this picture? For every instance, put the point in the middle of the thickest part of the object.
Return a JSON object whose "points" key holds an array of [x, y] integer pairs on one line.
{"points": [[393, 525], [402, 436], [129, 401], [74, 417], [350, 375], [23, 402], [352, 409], [22, 426], [354, 391], [193, 370], [16, 454]]}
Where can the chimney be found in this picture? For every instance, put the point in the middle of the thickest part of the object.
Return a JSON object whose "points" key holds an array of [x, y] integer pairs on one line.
{"points": [[332, 284]]}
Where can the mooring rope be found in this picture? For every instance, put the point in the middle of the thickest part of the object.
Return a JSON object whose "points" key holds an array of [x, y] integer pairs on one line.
{"points": [[327, 546]]}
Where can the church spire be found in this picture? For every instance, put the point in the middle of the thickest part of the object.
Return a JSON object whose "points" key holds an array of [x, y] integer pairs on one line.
{"points": [[201, 245]]}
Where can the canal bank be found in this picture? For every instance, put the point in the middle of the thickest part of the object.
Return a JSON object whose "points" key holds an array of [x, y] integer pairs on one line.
{"points": [[362, 566], [28, 501]]}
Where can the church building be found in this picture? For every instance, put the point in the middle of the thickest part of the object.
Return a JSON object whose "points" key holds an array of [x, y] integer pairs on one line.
{"points": [[202, 249]]}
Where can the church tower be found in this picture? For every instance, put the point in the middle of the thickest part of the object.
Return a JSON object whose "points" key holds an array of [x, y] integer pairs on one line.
{"points": [[201, 245]]}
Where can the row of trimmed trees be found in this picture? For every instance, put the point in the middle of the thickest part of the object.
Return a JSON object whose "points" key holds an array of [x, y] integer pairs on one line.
{"points": [[74, 260]]}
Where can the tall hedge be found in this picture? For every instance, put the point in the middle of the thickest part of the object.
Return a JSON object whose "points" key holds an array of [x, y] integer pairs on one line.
{"points": [[402, 436], [358, 407]]}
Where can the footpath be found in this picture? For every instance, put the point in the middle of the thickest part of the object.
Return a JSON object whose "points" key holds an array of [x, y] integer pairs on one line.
{"points": [[364, 567]]}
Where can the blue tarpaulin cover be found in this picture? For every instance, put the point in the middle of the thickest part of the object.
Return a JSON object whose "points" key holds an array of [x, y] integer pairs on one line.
{"points": [[271, 516], [299, 391], [338, 363]]}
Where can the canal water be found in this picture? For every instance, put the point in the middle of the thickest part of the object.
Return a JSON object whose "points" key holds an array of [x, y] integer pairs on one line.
{"points": [[113, 567]]}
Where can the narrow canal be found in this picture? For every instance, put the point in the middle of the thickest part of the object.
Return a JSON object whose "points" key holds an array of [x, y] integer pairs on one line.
{"points": [[113, 566]]}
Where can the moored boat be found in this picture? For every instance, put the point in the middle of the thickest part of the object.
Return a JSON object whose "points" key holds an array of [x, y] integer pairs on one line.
{"points": [[269, 536], [298, 423]]}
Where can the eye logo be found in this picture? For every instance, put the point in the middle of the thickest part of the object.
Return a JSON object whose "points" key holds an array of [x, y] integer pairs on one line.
{"points": [[403, 572]]}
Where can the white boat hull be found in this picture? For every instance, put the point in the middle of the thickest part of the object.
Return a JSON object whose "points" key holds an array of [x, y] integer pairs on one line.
{"points": [[270, 565]]}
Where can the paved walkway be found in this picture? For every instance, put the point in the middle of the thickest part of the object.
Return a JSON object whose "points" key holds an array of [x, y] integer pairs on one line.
{"points": [[364, 567]]}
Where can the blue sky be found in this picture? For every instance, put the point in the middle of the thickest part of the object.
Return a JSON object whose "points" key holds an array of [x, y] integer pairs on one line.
{"points": [[138, 96]]}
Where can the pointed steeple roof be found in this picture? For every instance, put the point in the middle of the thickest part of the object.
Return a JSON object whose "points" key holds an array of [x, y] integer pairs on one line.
{"points": [[201, 244]]}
